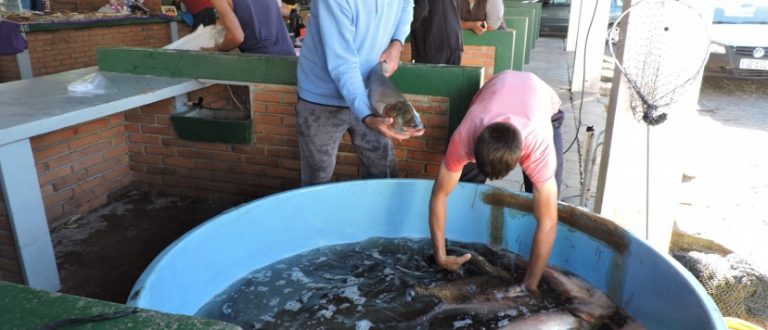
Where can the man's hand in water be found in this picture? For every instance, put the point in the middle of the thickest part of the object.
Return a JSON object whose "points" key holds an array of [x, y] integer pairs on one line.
{"points": [[521, 290], [453, 263]]}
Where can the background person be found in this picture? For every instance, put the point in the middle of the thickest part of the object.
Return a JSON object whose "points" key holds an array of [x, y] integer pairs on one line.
{"points": [[482, 15], [253, 26], [202, 12], [436, 32]]}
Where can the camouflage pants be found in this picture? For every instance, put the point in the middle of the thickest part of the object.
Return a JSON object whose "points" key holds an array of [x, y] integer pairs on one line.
{"points": [[320, 129]]}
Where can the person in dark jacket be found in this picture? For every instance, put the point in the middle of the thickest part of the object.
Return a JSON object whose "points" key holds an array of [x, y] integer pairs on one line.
{"points": [[436, 35], [253, 26]]}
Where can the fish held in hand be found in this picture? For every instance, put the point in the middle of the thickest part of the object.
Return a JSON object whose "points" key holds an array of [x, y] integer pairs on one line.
{"points": [[387, 101]]}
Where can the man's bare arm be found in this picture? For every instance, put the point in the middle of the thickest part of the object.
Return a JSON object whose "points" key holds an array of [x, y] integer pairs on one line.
{"points": [[234, 34], [444, 184], [545, 211]]}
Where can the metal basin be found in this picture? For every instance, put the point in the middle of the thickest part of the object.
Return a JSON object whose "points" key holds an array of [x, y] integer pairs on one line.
{"points": [[650, 286]]}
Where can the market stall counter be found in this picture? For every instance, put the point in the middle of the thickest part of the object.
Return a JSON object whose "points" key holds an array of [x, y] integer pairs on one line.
{"points": [[34, 44]]}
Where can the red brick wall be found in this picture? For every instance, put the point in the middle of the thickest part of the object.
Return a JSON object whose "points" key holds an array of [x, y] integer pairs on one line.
{"points": [[163, 162], [64, 50], [9, 68], [94, 5], [481, 56], [78, 167], [484, 56], [88, 5], [10, 270]]}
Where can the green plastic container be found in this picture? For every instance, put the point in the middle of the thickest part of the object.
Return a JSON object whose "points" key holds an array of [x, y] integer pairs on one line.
{"points": [[207, 125]]}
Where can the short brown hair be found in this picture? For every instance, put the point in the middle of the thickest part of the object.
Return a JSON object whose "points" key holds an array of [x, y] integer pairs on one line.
{"points": [[497, 150]]}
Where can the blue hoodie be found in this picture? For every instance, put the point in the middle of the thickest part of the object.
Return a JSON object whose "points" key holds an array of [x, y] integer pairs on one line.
{"points": [[344, 41]]}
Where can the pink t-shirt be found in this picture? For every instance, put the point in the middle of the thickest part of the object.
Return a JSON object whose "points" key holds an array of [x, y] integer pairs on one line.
{"points": [[525, 101]]}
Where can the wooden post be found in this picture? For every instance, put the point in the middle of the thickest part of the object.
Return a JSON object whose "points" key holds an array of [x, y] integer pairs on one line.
{"points": [[640, 172]]}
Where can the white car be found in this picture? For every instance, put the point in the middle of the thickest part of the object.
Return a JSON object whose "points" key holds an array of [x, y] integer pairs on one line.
{"points": [[739, 36]]}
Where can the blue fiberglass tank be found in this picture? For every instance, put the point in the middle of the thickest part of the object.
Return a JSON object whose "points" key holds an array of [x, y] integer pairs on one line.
{"points": [[649, 285]]}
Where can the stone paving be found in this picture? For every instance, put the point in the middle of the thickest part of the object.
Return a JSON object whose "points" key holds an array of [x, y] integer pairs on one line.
{"points": [[726, 196]]}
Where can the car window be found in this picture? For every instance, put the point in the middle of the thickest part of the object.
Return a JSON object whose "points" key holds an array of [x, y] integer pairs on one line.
{"points": [[557, 2], [741, 12]]}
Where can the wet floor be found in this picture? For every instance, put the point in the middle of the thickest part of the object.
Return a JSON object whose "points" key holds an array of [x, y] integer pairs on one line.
{"points": [[102, 254]]}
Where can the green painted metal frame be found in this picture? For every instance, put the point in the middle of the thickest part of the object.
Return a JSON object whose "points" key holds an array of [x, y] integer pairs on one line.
{"points": [[537, 11], [504, 41], [199, 65], [458, 83], [525, 10], [27, 308], [522, 53]]}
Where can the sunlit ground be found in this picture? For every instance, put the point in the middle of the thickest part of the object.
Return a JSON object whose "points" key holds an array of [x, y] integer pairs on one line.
{"points": [[727, 201]]}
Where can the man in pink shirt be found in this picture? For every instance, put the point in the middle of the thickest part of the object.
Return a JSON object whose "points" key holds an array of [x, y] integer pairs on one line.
{"points": [[514, 118]]}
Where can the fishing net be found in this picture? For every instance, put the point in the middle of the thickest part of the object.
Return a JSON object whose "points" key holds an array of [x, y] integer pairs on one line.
{"points": [[660, 54], [738, 288]]}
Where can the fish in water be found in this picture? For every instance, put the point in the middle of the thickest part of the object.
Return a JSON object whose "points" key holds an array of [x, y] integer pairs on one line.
{"points": [[586, 302], [387, 101], [478, 264], [490, 288], [489, 293], [554, 319], [549, 320]]}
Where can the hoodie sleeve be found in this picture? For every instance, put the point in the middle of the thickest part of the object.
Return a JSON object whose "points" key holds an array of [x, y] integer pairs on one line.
{"points": [[404, 24], [340, 51]]}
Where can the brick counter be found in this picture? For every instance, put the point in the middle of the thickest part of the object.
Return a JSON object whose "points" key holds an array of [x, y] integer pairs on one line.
{"points": [[54, 48], [79, 167]]}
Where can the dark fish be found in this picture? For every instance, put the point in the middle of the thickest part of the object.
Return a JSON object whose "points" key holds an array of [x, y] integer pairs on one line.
{"points": [[476, 309], [479, 265], [586, 302], [490, 288], [488, 292], [387, 101]]}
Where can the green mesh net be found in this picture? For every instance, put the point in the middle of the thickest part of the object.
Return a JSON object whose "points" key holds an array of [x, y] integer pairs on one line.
{"points": [[738, 288]]}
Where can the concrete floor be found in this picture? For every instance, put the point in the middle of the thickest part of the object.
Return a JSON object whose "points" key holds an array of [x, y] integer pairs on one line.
{"points": [[103, 253]]}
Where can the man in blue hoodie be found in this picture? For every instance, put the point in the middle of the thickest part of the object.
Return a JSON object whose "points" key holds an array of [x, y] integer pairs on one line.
{"points": [[345, 39]]}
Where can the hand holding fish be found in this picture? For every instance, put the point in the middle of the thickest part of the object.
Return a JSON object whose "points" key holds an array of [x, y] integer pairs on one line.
{"points": [[391, 57], [394, 116], [385, 126]]}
